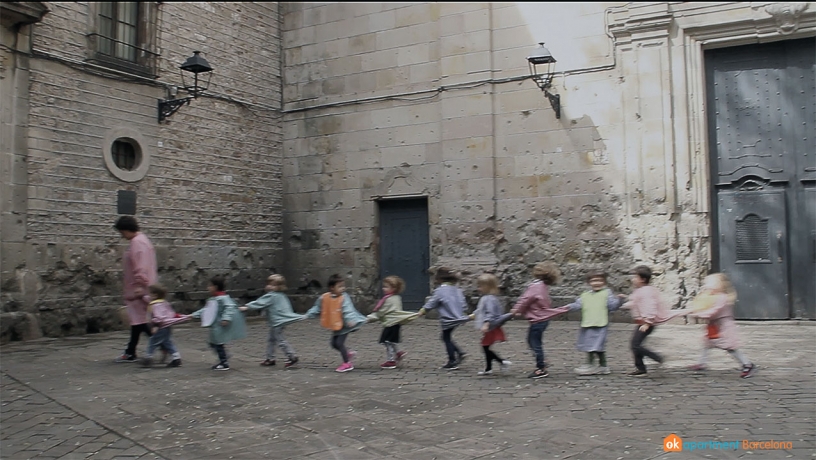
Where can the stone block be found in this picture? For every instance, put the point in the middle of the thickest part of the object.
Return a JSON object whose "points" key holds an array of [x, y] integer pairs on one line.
{"points": [[18, 326], [379, 60], [460, 149], [467, 106]]}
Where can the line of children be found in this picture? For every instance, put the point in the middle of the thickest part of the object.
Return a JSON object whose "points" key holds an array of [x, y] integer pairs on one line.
{"points": [[337, 313], [390, 314]]}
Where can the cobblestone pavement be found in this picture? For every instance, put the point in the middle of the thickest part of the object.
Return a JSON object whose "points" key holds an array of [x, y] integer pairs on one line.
{"points": [[66, 398]]}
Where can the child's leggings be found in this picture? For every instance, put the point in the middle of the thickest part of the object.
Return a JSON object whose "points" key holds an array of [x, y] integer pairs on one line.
{"points": [[338, 342], [450, 346], [221, 352], [162, 339], [640, 351], [735, 353], [276, 338], [490, 356]]}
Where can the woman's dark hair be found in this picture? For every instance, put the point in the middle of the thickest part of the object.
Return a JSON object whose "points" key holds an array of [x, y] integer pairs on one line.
{"points": [[334, 280], [126, 223], [644, 272], [219, 282], [445, 275]]}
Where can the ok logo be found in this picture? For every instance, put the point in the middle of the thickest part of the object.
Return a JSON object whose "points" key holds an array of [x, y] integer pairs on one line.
{"points": [[672, 443]]}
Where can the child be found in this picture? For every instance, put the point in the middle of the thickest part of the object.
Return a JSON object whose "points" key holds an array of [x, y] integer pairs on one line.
{"points": [[535, 305], [161, 317], [279, 314], [389, 312], [489, 318], [595, 306], [648, 310], [716, 304], [337, 314], [450, 300], [228, 324]]}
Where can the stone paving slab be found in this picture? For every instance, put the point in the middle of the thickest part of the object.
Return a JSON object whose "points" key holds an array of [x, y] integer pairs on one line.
{"points": [[65, 398]]}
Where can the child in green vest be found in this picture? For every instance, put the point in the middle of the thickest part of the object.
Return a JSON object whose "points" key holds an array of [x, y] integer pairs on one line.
{"points": [[595, 305]]}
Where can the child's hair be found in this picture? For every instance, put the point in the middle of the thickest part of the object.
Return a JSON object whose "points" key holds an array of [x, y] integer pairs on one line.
{"points": [[643, 272], [725, 285], [126, 223], [597, 274], [396, 283], [219, 282], [445, 275], [489, 282], [335, 280], [547, 272], [157, 290], [277, 281]]}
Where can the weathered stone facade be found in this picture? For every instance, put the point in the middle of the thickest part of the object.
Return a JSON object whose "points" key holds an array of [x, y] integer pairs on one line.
{"points": [[385, 100], [211, 197], [318, 111]]}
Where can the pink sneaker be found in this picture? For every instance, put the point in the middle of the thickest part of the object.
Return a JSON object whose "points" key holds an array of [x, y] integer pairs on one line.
{"points": [[345, 367]]}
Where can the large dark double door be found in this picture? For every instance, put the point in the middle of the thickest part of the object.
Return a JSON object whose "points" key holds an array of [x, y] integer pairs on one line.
{"points": [[761, 102]]}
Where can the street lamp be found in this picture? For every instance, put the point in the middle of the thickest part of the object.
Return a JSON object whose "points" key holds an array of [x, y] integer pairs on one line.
{"points": [[542, 70], [196, 65]]}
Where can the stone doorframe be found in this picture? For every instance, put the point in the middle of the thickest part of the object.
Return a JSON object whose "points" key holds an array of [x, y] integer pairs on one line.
{"points": [[659, 49]]}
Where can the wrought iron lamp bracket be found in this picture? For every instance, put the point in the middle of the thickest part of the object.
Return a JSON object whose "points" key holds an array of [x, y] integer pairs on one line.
{"points": [[170, 106]]}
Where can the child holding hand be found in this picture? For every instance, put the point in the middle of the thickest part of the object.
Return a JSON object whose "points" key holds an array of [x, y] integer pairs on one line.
{"points": [[390, 314], [161, 317], [337, 314], [450, 301], [595, 305], [279, 314], [489, 317], [227, 323], [716, 304]]}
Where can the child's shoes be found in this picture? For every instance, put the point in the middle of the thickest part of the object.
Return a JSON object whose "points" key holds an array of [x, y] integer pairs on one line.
{"points": [[389, 365], [290, 362], [221, 367], [586, 369], [345, 367], [505, 365], [604, 370], [268, 362], [698, 367], [485, 373], [748, 371], [400, 355], [174, 363]]}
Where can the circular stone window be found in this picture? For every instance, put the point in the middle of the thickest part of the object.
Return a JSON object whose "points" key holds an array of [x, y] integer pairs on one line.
{"points": [[126, 155]]}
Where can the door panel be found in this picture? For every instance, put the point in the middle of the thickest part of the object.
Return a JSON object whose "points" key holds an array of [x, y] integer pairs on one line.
{"points": [[405, 247], [753, 252], [761, 118]]}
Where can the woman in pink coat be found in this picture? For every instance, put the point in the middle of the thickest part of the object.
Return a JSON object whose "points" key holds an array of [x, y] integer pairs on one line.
{"points": [[716, 304], [138, 271]]}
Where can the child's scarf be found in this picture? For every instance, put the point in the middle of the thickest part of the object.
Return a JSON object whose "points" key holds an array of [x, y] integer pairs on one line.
{"points": [[382, 301]]}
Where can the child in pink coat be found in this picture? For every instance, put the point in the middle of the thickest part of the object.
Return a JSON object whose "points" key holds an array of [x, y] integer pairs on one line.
{"points": [[648, 309], [716, 304]]}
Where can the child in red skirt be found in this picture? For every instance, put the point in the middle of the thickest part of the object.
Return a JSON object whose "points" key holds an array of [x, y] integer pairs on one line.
{"points": [[489, 319]]}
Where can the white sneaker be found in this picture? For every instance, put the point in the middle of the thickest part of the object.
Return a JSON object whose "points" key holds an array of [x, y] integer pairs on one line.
{"points": [[605, 370], [484, 373], [505, 365], [586, 369]]}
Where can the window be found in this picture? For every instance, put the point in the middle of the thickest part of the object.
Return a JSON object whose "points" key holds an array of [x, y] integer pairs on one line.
{"points": [[124, 155], [118, 24], [123, 36]]}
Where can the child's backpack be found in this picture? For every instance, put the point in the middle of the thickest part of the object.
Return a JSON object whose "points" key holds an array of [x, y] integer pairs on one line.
{"points": [[331, 312]]}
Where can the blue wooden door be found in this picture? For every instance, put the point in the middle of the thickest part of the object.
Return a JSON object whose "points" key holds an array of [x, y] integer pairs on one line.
{"points": [[762, 120], [405, 247]]}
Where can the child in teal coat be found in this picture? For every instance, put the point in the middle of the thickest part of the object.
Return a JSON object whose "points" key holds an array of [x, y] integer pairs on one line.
{"points": [[279, 314], [227, 323]]}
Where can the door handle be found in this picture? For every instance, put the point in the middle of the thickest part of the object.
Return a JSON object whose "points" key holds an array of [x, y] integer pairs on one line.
{"points": [[779, 246]]}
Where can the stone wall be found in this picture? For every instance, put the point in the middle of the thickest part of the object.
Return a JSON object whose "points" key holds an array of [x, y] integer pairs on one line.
{"points": [[430, 99], [211, 198]]}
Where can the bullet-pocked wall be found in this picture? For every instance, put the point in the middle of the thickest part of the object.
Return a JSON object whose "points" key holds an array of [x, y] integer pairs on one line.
{"points": [[207, 181], [395, 99]]}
